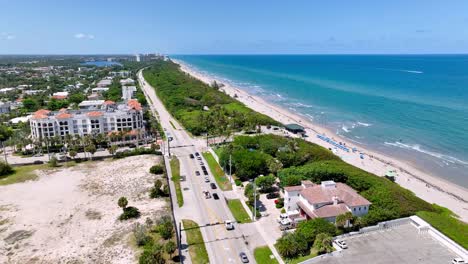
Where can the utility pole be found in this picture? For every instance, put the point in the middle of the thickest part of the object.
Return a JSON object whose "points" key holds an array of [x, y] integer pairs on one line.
{"points": [[179, 238], [230, 167], [169, 147], [255, 202]]}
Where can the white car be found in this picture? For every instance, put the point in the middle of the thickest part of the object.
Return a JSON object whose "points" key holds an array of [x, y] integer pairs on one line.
{"points": [[458, 261], [207, 179], [341, 244], [229, 225], [207, 194]]}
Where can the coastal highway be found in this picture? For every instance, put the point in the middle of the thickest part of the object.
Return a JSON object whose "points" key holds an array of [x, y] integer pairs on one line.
{"points": [[223, 246]]}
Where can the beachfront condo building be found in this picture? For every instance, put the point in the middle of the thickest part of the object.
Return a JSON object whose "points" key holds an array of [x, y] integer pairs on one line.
{"points": [[108, 118]]}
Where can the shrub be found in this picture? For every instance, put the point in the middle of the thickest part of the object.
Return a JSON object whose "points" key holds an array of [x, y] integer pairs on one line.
{"points": [[279, 203], [170, 247], [311, 228], [166, 230], [156, 191], [5, 169], [129, 212], [157, 169], [323, 243], [152, 254], [238, 182], [292, 245], [139, 232], [53, 162]]}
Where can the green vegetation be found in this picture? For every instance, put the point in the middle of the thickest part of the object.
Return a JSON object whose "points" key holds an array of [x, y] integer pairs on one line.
{"points": [[157, 169], [158, 190], [22, 174], [238, 211], [262, 256], [444, 221], [175, 168], [185, 98], [5, 169], [157, 241], [128, 211], [197, 248], [218, 173]]}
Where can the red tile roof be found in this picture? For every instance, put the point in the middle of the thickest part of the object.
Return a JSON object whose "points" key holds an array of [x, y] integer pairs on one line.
{"points": [[95, 114], [63, 115], [293, 188], [59, 97], [40, 114], [109, 102], [132, 103], [331, 210], [318, 194]]}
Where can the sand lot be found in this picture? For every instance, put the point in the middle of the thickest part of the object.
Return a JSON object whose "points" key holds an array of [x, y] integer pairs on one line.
{"points": [[69, 215]]}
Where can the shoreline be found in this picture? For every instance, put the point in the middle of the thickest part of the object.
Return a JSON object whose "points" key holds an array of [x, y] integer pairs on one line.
{"points": [[428, 187]]}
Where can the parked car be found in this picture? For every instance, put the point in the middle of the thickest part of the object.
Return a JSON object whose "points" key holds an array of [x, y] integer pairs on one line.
{"points": [[341, 244], [38, 162], [213, 186], [229, 225], [207, 179], [272, 195], [458, 261], [207, 194], [192, 156], [201, 163], [244, 257], [197, 154], [203, 168], [198, 158], [215, 196], [197, 173], [205, 172]]}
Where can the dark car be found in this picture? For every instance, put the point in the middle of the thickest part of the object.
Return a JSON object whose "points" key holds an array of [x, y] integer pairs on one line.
{"points": [[197, 154], [191, 156], [197, 173], [203, 168], [205, 173], [243, 257], [272, 195], [215, 196], [213, 186]]}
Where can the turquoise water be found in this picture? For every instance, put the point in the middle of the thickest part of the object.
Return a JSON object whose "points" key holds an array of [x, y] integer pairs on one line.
{"points": [[411, 107]]}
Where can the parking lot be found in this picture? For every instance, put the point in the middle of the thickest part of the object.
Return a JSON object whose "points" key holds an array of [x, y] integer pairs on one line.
{"points": [[401, 244]]}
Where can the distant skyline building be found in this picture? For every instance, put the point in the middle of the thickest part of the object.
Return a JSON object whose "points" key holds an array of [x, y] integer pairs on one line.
{"points": [[137, 57]]}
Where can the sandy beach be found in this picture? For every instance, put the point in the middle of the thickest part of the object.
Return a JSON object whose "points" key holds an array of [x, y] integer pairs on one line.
{"points": [[425, 186]]}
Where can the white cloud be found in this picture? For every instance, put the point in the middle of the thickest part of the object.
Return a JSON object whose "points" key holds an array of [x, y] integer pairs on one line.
{"points": [[7, 36], [83, 36]]}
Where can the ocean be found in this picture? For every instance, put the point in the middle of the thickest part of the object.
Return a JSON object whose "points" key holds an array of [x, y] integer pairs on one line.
{"points": [[412, 107]]}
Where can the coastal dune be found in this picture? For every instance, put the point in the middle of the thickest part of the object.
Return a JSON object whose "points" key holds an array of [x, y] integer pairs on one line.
{"points": [[425, 186]]}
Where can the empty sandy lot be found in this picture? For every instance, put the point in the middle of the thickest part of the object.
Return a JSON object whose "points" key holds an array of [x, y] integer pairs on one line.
{"points": [[69, 215]]}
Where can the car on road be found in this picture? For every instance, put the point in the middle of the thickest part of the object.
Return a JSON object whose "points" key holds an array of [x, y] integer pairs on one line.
{"points": [[192, 156], [215, 196], [229, 225], [201, 163], [341, 244], [205, 173], [207, 194], [244, 257], [207, 179], [197, 173], [213, 186], [458, 261], [197, 154], [203, 168], [198, 158]]}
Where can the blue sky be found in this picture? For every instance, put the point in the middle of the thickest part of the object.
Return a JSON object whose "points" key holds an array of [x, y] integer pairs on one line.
{"points": [[233, 27]]}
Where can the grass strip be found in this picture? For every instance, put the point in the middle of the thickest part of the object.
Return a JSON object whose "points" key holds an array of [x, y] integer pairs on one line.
{"points": [[238, 211], [175, 169], [195, 242], [263, 255], [218, 173]]}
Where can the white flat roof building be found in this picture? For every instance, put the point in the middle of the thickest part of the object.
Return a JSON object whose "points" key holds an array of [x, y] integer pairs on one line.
{"points": [[91, 104], [128, 92], [127, 81]]}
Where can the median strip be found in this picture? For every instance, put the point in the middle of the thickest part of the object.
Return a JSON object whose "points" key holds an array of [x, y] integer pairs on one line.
{"points": [[175, 169], [218, 173], [195, 242], [238, 211]]}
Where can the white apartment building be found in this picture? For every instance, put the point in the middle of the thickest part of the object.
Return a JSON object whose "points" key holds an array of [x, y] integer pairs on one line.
{"points": [[111, 117], [327, 200], [128, 92]]}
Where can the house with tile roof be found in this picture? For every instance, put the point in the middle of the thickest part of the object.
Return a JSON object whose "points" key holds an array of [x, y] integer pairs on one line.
{"points": [[326, 200]]}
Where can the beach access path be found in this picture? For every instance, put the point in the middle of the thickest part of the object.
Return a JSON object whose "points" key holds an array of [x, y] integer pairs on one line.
{"points": [[425, 186]]}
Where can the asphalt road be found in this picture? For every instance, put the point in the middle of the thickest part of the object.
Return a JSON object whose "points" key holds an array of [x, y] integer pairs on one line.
{"points": [[223, 246]]}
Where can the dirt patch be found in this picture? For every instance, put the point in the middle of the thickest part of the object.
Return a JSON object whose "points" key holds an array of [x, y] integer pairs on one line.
{"points": [[17, 236], [69, 215]]}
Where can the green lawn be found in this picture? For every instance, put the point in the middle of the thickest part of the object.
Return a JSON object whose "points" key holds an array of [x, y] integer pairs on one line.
{"points": [[238, 211], [175, 168], [447, 224], [27, 173], [195, 242], [218, 173], [262, 256]]}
